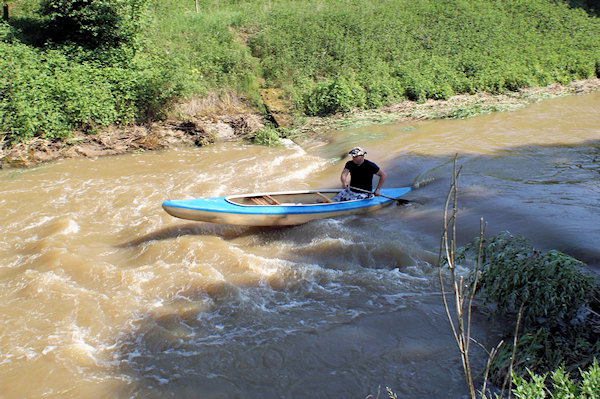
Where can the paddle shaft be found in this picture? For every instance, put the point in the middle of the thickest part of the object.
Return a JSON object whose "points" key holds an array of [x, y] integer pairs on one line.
{"points": [[400, 200]]}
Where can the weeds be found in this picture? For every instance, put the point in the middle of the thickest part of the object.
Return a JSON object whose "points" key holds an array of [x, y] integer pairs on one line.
{"points": [[268, 136], [559, 303], [392, 50], [561, 385], [329, 57]]}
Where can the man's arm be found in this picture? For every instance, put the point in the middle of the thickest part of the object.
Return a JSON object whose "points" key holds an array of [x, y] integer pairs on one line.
{"points": [[382, 177], [344, 178]]}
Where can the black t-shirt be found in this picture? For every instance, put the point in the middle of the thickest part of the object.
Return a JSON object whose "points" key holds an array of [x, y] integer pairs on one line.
{"points": [[362, 176]]}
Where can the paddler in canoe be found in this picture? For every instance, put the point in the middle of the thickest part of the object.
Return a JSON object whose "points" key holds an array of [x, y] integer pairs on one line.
{"points": [[296, 207], [361, 173]]}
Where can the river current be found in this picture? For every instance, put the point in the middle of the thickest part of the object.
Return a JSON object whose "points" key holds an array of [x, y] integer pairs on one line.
{"points": [[104, 295]]}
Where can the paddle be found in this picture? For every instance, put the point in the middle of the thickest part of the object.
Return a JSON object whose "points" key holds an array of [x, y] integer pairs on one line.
{"points": [[400, 201]]}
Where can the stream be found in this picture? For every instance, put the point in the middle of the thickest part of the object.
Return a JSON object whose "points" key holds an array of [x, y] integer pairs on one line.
{"points": [[104, 295]]}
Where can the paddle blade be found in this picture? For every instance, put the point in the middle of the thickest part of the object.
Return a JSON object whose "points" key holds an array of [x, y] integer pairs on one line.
{"points": [[402, 201]]}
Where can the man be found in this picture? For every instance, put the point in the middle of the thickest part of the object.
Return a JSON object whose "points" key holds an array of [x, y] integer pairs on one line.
{"points": [[361, 173]]}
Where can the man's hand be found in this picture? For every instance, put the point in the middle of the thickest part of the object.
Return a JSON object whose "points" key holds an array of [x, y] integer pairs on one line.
{"points": [[377, 192]]}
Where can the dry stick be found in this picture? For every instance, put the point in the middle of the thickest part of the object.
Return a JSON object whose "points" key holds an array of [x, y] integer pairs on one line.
{"points": [[459, 295], [463, 338], [514, 352], [442, 244], [460, 335], [491, 356], [476, 280]]}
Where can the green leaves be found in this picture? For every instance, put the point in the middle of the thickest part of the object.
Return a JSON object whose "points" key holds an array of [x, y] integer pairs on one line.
{"points": [[560, 386], [532, 389], [329, 56], [338, 95], [93, 23], [423, 50], [45, 94], [553, 285], [560, 303], [267, 136]]}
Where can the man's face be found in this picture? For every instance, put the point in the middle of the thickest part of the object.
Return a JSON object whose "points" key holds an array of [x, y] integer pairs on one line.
{"points": [[358, 159]]}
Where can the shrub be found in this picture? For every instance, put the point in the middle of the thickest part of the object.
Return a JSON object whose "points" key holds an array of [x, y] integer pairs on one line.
{"points": [[330, 56], [337, 95], [267, 136], [559, 303], [93, 23], [553, 285], [44, 94]]}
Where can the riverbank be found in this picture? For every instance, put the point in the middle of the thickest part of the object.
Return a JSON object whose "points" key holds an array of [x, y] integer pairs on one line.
{"points": [[202, 122]]}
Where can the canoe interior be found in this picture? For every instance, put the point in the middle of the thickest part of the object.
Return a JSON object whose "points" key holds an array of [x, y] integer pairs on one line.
{"points": [[298, 198]]}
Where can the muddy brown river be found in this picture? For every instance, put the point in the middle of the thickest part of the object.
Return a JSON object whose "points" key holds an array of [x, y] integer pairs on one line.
{"points": [[104, 295]]}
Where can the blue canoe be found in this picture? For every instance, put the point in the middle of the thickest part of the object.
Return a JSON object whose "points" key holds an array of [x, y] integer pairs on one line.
{"points": [[277, 209]]}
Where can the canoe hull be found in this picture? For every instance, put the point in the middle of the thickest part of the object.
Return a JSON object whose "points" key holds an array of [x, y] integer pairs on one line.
{"points": [[225, 210], [289, 219]]}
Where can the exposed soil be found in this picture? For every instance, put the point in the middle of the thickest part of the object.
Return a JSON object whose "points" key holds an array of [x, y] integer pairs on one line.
{"points": [[204, 121]]}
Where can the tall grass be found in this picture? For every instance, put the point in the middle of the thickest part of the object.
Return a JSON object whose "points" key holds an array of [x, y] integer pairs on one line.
{"points": [[333, 55], [204, 48], [328, 55], [424, 49]]}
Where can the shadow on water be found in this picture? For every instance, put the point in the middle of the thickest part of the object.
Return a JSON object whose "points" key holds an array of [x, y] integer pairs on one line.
{"points": [[227, 232], [548, 194]]}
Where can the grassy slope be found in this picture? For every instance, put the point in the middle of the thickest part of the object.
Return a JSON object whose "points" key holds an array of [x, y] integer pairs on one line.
{"points": [[328, 56], [337, 54]]}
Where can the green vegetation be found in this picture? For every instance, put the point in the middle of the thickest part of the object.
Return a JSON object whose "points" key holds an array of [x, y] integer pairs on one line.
{"points": [[86, 79], [267, 136], [95, 23], [130, 60], [548, 302], [555, 299], [562, 386]]}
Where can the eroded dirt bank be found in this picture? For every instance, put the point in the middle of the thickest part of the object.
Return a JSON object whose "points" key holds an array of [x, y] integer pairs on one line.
{"points": [[204, 121]]}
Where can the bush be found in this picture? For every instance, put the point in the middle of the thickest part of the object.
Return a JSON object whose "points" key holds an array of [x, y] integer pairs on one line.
{"points": [[553, 285], [338, 95], [44, 94], [559, 304], [267, 136], [330, 56], [93, 23]]}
